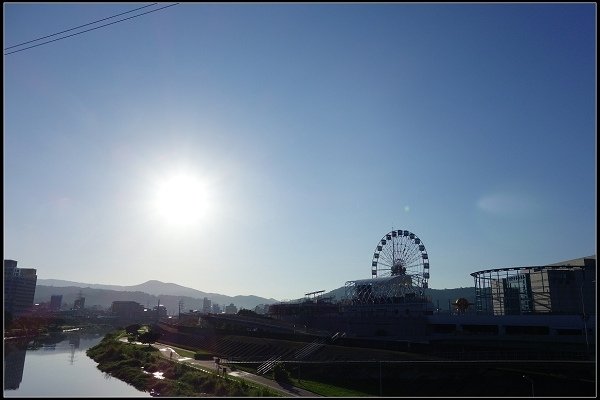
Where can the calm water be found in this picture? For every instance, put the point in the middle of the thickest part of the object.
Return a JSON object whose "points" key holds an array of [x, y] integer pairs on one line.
{"points": [[59, 369]]}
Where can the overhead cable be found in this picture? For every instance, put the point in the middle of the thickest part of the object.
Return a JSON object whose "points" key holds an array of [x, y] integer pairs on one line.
{"points": [[77, 27], [91, 29]]}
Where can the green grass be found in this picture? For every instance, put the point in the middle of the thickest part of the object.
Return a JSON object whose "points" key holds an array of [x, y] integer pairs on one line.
{"points": [[128, 363], [319, 388], [189, 352], [184, 353], [266, 391], [327, 390]]}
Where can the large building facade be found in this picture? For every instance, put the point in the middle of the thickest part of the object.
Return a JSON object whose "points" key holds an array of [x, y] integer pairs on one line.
{"points": [[19, 288], [55, 302], [563, 288], [127, 309]]}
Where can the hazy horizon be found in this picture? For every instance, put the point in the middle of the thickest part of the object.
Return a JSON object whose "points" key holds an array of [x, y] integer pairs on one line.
{"points": [[267, 148]]}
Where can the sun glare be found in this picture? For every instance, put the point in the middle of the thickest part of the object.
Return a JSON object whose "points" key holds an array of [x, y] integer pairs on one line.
{"points": [[181, 199]]}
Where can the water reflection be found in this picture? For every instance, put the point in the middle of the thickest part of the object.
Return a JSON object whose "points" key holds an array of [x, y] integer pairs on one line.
{"points": [[14, 362], [74, 340], [56, 365]]}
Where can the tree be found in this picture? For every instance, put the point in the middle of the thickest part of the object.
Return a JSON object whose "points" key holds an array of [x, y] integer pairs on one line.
{"points": [[281, 374], [247, 313], [149, 337], [133, 329]]}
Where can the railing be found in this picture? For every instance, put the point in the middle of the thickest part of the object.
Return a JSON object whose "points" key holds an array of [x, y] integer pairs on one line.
{"points": [[268, 365]]}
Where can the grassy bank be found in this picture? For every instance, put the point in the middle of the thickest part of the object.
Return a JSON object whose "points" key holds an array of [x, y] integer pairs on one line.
{"points": [[137, 366], [345, 371], [328, 390]]}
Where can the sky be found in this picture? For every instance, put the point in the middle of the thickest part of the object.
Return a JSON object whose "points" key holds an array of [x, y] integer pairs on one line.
{"points": [[266, 149]]}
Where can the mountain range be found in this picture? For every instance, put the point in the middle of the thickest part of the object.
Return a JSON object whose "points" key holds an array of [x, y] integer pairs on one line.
{"points": [[148, 294], [152, 292]]}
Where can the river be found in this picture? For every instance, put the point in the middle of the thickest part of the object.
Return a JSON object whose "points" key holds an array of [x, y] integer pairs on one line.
{"points": [[59, 367]]}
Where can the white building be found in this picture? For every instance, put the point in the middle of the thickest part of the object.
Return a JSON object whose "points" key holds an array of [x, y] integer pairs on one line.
{"points": [[231, 309]]}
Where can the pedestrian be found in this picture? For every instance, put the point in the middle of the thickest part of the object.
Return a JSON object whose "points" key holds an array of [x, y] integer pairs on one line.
{"points": [[171, 355]]}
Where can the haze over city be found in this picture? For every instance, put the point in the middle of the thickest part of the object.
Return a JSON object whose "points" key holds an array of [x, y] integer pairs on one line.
{"points": [[266, 148]]}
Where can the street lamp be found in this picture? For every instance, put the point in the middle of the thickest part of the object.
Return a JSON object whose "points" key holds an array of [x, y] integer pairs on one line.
{"points": [[380, 386], [584, 317], [531, 381]]}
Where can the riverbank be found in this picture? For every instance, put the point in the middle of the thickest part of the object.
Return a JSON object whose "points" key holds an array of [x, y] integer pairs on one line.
{"points": [[57, 366], [44, 330], [144, 368], [284, 387]]}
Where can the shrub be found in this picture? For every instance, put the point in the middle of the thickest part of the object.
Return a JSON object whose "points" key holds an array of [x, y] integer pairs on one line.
{"points": [[149, 337], [203, 356], [281, 374], [159, 386], [208, 385], [133, 329], [192, 378], [238, 389]]}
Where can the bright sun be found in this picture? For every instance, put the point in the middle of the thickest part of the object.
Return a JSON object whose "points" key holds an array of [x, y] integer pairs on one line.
{"points": [[181, 199]]}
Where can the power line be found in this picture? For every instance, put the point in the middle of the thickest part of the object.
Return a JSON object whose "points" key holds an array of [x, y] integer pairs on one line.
{"points": [[87, 30], [77, 27]]}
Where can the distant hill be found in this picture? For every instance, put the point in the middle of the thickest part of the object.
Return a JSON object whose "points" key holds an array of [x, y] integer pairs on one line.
{"points": [[169, 294], [147, 293]]}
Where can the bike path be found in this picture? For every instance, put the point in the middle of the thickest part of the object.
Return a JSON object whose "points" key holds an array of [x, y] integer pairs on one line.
{"points": [[210, 366]]}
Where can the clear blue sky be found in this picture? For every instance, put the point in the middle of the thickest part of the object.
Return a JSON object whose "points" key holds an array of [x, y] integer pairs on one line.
{"points": [[311, 130]]}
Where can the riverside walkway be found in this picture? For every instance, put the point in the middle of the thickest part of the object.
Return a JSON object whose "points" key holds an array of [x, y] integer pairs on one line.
{"points": [[209, 366]]}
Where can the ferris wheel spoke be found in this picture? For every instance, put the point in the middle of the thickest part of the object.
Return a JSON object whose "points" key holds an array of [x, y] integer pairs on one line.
{"points": [[398, 249], [416, 250], [414, 256], [388, 250], [405, 251], [406, 247], [388, 254]]}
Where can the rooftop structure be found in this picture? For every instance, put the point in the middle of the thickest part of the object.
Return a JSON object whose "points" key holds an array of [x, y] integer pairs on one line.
{"points": [[561, 288]]}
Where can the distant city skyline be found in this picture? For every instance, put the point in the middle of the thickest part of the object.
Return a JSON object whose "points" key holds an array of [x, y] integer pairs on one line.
{"points": [[265, 149]]}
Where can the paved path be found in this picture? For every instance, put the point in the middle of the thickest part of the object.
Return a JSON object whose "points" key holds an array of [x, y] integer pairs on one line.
{"points": [[210, 366]]}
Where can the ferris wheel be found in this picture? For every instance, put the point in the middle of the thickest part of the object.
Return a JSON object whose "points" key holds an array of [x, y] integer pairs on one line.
{"points": [[402, 253]]}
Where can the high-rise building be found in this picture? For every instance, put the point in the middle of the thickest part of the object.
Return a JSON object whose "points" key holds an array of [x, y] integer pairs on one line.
{"points": [[55, 302], [206, 305], [19, 288], [79, 303]]}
